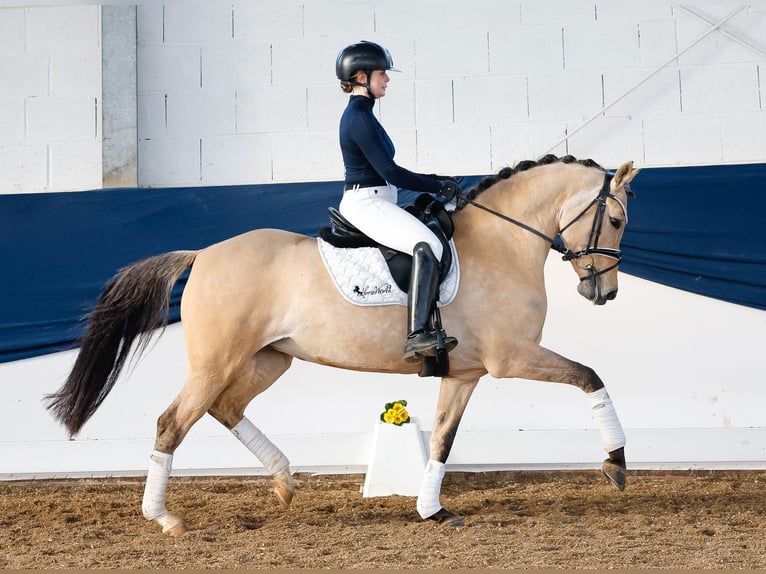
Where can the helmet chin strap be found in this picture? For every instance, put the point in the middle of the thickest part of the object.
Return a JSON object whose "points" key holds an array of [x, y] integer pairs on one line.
{"points": [[365, 84]]}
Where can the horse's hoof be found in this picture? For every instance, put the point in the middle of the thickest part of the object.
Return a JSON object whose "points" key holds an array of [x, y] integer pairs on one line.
{"points": [[447, 518], [616, 473], [284, 488], [178, 530], [173, 526]]}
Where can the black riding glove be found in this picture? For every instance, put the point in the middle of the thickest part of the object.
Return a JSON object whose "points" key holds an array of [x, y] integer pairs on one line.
{"points": [[449, 189]]}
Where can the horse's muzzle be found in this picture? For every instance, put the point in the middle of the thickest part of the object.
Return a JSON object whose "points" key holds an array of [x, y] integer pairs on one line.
{"points": [[592, 289]]}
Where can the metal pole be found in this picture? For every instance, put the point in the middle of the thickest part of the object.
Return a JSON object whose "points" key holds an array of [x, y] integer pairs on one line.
{"points": [[613, 102], [745, 43]]}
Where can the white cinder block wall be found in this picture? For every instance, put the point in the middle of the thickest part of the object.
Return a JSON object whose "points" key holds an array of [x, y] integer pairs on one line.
{"points": [[244, 91], [50, 98]]}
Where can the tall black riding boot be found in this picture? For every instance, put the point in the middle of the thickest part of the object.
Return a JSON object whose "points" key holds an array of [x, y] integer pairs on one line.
{"points": [[424, 285]]}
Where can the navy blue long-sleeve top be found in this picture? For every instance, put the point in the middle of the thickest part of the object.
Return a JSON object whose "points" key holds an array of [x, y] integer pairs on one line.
{"points": [[368, 152]]}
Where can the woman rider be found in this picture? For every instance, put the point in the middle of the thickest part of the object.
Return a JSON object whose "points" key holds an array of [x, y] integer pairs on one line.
{"points": [[370, 191]]}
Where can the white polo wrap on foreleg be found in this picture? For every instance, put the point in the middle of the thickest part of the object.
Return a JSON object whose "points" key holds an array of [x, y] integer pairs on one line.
{"points": [[428, 498], [153, 505], [605, 416], [273, 460]]}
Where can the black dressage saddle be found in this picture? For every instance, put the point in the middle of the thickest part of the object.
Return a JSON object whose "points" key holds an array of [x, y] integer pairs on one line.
{"points": [[341, 233]]}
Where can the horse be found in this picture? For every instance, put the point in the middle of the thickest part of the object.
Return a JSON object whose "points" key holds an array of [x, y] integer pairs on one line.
{"points": [[255, 301]]}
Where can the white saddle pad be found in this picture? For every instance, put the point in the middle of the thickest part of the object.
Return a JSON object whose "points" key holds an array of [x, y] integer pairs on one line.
{"points": [[361, 275]]}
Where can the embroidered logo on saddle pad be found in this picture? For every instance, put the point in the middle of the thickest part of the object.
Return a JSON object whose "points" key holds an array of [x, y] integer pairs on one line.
{"points": [[362, 276]]}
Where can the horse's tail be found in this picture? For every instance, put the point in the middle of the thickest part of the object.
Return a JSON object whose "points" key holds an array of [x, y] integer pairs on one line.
{"points": [[134, 303]]}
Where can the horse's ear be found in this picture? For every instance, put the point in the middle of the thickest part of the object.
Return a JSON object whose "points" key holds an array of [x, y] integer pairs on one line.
{"points": [[624, 175]]}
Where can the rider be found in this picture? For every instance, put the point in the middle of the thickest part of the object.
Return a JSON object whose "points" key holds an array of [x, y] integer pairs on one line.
{"points": [[370, 191]]}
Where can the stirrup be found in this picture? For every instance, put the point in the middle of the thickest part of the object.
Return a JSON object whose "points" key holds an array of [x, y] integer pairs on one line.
{"points": [[423, 344]]}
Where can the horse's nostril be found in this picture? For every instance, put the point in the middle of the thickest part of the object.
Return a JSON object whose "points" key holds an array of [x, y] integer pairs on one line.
{"points": [[611, 295]]}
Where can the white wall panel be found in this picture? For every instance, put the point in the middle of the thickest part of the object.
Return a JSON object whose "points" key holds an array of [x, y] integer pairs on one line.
{"points": [[526, 50], [195, 22], [332, 19], [24, 75], [12, 31], [11, 121], [326, 103], [50, 28], [715, 48], [564, 95], [236, 65], [299, 63], [75, 166], [601, 46], [152, 116], [308, 156], [406, 143], [396, 111], [161, 68], [657, 42], [267, 19], [687, 139], [150, 23], [659, 96], [467, 150], [486, 101], [743, 136], [169, 162], [720, 89], [25, 168], [610, 141], [438, 57], [47, 123], [271, 110], [201, 112], [232, 160], [71, 72], [609, 11], [434, 104], [515, 142], [534, 13]]}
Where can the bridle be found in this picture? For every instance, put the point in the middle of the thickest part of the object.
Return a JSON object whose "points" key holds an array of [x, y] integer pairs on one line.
{"points": [[595, 231]]}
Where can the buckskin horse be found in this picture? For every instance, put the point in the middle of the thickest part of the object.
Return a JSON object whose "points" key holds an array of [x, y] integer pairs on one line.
{"points": [[254, 302]]}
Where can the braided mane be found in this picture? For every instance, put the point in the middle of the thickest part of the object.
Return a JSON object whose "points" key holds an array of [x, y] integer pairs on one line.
{"points": [[507, 172]]}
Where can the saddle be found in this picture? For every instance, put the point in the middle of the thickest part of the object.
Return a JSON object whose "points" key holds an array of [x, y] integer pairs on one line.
{"points": [[342, 233]]}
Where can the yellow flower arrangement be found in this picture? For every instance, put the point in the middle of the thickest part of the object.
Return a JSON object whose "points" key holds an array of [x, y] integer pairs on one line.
{"points": [[395, 413]]}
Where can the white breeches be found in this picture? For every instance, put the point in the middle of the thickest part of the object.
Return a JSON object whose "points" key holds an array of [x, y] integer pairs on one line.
{"points": [[373, 210]]}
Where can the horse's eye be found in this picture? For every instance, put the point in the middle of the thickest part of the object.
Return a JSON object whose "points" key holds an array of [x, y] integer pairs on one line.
{"points": [[616, 223]]}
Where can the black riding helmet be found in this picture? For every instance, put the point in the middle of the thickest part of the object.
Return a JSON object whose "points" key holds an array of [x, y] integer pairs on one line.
{"points": [[365, 56]]}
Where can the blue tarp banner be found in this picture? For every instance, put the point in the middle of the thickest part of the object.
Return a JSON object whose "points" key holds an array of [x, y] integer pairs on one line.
{"points": [[696, 228]]}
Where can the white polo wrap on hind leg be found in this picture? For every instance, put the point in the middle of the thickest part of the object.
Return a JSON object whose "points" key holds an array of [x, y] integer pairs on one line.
{"points": [[153, 505], [605, 416], [273, 460], [428, 498]]}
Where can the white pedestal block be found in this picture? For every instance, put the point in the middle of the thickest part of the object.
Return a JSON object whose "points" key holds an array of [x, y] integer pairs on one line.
{"points": [[397, 460]]}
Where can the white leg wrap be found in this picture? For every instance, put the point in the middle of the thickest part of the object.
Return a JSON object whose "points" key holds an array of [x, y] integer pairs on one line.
{"points": [[273, 460], [604, 414], [428, 497], [153, 505]]}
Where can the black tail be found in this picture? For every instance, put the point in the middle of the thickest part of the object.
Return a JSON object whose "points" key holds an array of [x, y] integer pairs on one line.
{"points": [[134, 303]]}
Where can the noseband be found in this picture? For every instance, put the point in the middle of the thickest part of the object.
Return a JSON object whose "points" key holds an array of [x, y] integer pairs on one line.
{"points": [[595, 231]]}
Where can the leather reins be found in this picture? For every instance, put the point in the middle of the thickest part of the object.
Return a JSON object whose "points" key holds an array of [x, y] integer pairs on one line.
{"points": [[595, 232]]}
